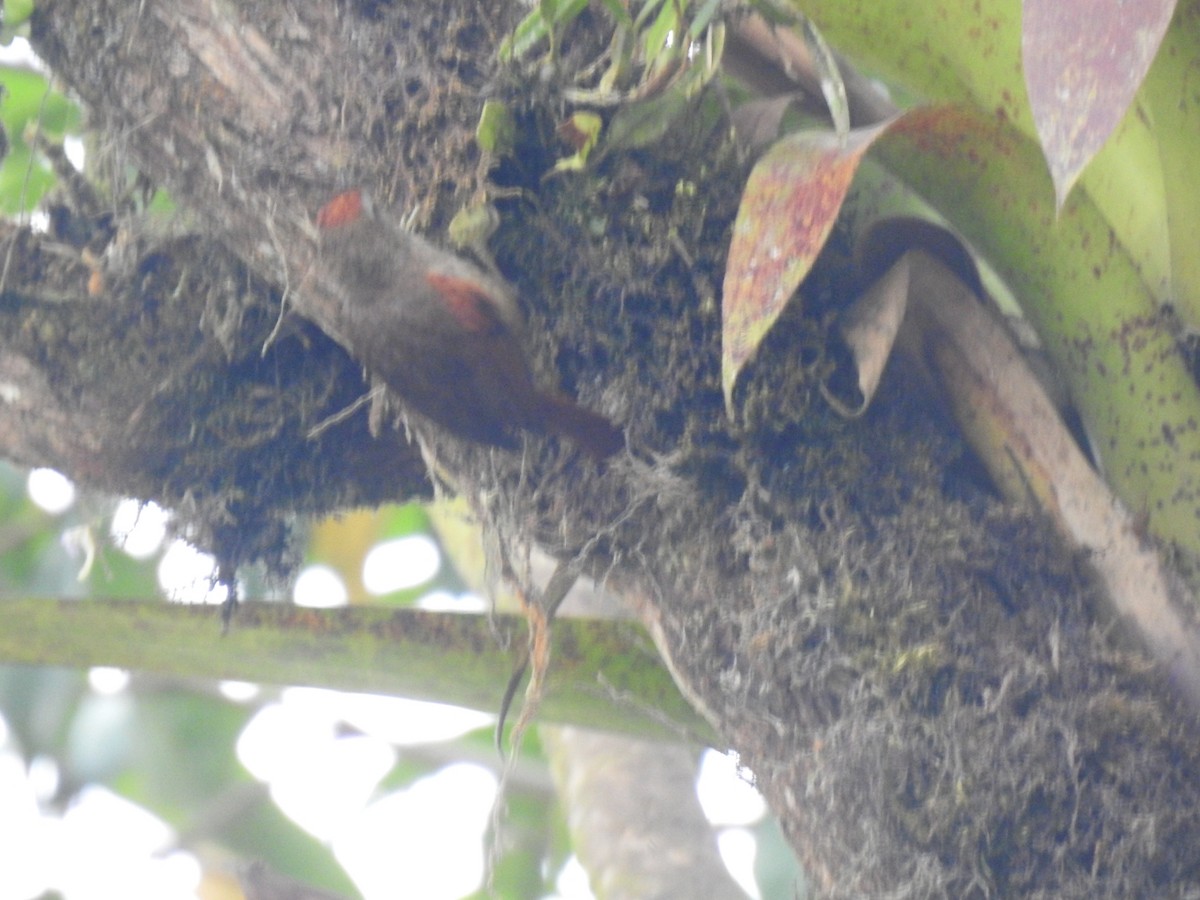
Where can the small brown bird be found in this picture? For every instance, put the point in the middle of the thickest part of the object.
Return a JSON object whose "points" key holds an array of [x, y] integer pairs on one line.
{"points": [[442, 334]]}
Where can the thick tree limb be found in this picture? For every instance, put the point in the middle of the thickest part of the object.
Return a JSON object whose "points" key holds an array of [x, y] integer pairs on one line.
{"points": [[916, 675]]}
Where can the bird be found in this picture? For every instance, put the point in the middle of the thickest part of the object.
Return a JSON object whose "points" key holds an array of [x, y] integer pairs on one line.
{"points": [[441, 333]]}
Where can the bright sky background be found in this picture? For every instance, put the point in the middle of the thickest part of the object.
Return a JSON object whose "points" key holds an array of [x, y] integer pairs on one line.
{"points": [[427, 838]]}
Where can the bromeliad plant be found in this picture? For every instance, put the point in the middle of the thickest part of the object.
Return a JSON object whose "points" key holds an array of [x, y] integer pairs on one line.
{"points": [[1040, 140], [1059, 140], [1058, 145]]}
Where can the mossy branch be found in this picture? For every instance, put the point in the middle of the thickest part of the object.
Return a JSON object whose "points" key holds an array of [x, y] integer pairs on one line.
{"points": [[603, 674]]}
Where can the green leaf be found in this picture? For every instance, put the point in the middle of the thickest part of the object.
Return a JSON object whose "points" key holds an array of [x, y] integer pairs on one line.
{"points": [[704, 16], [24, 180], [28, 101], [660, 41], [16, 14], [529, 32], [647, 121], [497, 129], [619, 12], [17, 11], [540, 24], [29, 98], [563, 11], [582, 130]]}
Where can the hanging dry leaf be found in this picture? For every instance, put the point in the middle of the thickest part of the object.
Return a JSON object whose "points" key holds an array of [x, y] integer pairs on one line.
{"points": [[869, 331], [870, 327], [756, 122]]}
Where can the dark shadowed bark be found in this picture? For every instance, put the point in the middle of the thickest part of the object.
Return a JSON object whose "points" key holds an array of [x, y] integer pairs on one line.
{"points": [[915, 674]]}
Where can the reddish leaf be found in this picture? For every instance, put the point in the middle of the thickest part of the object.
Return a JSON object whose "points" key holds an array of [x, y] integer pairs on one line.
{"points": [[788, 208], [1084, 61]]}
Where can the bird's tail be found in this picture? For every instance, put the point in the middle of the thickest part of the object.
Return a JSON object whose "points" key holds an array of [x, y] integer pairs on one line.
{"points": [[594, 434]]}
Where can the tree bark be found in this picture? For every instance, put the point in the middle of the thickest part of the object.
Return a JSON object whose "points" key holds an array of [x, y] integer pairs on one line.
{"points": [[914, 673]]}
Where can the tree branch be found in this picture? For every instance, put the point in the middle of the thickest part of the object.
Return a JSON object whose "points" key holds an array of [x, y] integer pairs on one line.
{"points": [[603, 674]]}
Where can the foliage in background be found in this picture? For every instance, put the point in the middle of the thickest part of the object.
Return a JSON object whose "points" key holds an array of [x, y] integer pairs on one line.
{"points": [[31, 109]]}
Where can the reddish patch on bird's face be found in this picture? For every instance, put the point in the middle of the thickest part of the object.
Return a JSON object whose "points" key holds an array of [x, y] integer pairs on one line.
{"points": [[471, 307], [343, 209]]}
